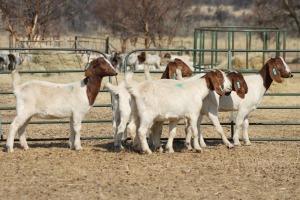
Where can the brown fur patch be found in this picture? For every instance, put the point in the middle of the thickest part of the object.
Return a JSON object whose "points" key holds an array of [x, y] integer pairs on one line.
{"points": [[239, 84], [98, 69], [214, 81]]}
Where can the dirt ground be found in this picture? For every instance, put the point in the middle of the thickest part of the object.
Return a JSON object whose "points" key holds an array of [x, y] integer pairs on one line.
{"points": [[49, 170]]}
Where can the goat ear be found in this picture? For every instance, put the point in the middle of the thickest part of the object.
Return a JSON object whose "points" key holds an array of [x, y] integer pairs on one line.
{"points": [[172, 72], [273, 71], [213, 83], [239, 84], [165, 74], [89, 68]]}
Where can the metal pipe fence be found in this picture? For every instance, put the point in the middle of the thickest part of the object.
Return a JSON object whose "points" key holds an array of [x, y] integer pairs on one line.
{"points": [[230, 123]]}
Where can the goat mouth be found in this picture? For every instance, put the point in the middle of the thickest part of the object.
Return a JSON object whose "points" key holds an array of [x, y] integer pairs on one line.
{"points": [[288, 75]]}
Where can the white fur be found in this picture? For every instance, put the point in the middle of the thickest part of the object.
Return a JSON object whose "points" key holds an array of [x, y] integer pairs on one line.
{"points": [[252, 99], [169, 100], [49, 101], [124, 110]]}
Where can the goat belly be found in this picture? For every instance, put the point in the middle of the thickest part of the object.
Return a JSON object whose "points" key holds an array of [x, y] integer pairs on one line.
{"points": [[53, 115]]}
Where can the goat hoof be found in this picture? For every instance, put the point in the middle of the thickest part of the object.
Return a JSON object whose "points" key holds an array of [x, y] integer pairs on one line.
{"points": [[188, 146], [203, 145], [170, 151], [118, 148], [237, 144], [248, 143], [77, 148], [230, 146], [148, 151], [9, 150], [25, 148], [199, 150]]}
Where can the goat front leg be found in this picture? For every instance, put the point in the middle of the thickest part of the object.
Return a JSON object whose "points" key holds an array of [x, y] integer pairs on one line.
{"points": [[215, 120], [75, 126], [202, 142], [172, 134], [119, 134], [245, 132]]}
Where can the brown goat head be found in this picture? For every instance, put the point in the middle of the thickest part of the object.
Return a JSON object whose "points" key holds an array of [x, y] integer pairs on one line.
{"points": [[170, 71], [100, 67], [215, 81]]}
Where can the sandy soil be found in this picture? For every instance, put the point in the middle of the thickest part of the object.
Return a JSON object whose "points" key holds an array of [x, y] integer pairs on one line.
{"points": [[49, 170]]}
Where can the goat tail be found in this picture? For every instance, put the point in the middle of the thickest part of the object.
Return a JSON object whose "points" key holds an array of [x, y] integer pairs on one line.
{"points": [[113, 89], [130, 84], [147, 73], [15, 79]]}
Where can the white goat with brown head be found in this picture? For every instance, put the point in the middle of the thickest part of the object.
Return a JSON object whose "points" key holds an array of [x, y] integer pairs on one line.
{"points": [[53, 100], [275, 69], [172, 100]]}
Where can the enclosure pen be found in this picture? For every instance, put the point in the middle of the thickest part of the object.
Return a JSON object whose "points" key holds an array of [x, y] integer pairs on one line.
{"points": [[231, 123]]}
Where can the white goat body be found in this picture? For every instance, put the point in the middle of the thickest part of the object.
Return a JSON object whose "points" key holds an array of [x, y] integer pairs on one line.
{"points": [[172, 100]]}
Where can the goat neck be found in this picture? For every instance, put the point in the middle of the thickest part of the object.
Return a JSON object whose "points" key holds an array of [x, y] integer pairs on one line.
{"points": [[93, 84]]}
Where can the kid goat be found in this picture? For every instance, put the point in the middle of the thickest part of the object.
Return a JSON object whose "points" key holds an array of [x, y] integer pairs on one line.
{"points": [[53, 100]]}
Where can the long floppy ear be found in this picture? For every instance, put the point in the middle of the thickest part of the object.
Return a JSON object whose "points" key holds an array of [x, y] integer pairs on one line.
{"points": [[185, 69], [165, 74], [172, 70], [213, 83], [274, 72], [239, 84]]}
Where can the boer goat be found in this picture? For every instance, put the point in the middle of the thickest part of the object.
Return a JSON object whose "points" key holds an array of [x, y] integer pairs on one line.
{"points": [[273, 70], [53, 100], [172, 100], [211, 105]]}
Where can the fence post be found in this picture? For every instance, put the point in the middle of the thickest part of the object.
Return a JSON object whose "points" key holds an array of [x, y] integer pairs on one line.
{"points": [[75, 43], [231, 113], [107, 45], [1, 136]]}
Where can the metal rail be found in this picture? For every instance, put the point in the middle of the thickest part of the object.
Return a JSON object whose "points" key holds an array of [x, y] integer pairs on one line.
{"points": [[139, 50]]}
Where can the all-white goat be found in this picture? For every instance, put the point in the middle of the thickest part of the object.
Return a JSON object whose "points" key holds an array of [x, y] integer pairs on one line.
{"points": [[52, 100], [172, 100], [124, 109], [273, 70], [136, 61]]}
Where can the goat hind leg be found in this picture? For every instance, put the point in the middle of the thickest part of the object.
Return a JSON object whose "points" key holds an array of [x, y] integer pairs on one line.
{"points": [[14, 127], [142, 134], [22, 137]]}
